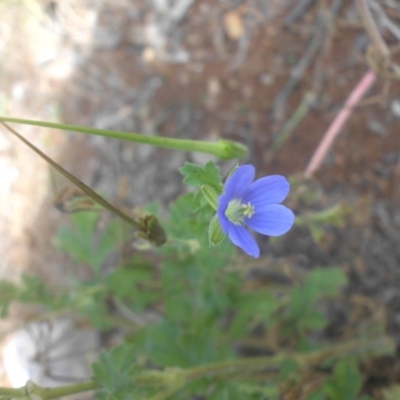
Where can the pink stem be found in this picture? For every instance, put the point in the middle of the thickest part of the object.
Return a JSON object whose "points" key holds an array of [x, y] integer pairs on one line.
{"points": [[334, 129]]}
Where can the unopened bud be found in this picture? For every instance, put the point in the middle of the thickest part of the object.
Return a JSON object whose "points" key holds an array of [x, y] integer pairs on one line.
{"points": [[215, 234]]}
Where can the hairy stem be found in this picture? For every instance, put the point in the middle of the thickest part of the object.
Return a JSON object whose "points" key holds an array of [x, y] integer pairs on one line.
{"points": [[224, 149], [174, 379]]}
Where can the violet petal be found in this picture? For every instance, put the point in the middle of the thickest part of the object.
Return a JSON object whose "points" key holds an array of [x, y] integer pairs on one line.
{"points": [[243, 238], [239, 182], [273, 220], [272, 189]]}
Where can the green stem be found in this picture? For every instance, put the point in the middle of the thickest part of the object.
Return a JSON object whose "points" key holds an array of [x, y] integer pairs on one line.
{"points": [[224, 149], [381, 345], [31, 391], [334, 215], [165, 394], [174, 379], [304, 107], [53, 393]]}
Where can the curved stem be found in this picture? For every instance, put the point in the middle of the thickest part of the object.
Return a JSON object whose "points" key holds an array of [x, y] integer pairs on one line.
{"points": [[174, 379], [166, 393], [380, 345], [35, 391], [224, 149]]}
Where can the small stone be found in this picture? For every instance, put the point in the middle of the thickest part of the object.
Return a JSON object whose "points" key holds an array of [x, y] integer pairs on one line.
{"points": [[376, 127], [395, 107], [266, 79]]}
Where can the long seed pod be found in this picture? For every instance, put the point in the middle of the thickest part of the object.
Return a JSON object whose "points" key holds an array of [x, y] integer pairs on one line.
{"points": [[152, 232]]}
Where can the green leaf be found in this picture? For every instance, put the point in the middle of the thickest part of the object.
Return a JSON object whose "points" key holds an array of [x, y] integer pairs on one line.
{"points": [[313, 320], [345, 383], [190, 217], [253, 391], [288, 368], [197, 176], [31, 290], [225, 391], [34, 290], [110, 239], [114, 372], [317, 395], [79, 240], [321, 283], [253, 308], [89, 298], [127, 285], [325, 282], [171, 344], [303, 312]]}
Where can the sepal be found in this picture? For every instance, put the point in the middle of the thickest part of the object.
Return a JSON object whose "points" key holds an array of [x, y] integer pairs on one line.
{"points": [[211, 196], [215, 234]]}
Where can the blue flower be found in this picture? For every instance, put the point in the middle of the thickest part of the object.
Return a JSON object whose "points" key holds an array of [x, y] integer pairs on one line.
{"points": [[255, 205]]}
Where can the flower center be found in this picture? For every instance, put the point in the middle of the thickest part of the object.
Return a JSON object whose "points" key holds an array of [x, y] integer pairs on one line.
{"points": [[236, 211]]}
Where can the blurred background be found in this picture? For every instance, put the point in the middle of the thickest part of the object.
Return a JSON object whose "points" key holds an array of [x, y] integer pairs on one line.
{"points": [[200, 69]]}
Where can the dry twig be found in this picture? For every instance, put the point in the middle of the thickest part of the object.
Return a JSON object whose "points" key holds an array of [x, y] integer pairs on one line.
{"points": [[279, 106]]}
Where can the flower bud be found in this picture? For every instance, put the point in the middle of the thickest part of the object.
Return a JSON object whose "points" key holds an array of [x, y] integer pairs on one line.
{"points": [[215, 235]]}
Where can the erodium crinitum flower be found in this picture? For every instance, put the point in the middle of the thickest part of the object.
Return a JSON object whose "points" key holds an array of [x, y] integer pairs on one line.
{"points": [[255, 205]]}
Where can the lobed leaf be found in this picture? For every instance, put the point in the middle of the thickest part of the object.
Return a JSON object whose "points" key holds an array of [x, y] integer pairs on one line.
{"points": [[345, 383], [197, 176]]}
